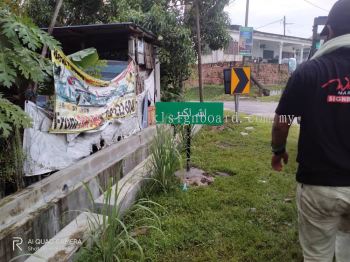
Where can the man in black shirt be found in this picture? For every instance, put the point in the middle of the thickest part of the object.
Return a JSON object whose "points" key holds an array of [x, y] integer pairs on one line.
{"points": [[319, 93]]}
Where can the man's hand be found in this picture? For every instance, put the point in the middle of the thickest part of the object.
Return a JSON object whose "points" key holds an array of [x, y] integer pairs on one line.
{"points": [[280, 131], [276, 161]]}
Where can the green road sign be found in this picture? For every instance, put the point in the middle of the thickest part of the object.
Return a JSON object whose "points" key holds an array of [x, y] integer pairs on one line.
{"points": [[190, 113]]}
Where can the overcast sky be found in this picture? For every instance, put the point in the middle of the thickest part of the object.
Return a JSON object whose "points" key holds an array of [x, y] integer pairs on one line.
{"points": [[263, 12]]}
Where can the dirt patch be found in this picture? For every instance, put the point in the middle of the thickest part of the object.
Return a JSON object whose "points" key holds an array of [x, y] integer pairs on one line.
{"points": [[224, 144], [60, 256], [77, 236], [217, 128], [139, 231], [195, 177], [224, 173]]}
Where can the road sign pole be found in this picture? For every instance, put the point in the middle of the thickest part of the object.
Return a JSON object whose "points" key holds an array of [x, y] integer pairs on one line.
{"points": [[237, 108], [188, 147]]}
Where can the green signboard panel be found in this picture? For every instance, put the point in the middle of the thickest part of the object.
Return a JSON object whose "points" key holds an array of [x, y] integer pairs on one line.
{"points": [[186, 113]]}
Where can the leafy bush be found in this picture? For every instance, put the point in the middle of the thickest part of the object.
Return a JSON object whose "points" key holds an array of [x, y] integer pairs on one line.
{"points": [[20, 63], [11, 116], [19, 41], [89, 61]]}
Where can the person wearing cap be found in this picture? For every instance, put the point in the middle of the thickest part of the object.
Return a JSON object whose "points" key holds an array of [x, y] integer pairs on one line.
{"points": [[319, 93]]}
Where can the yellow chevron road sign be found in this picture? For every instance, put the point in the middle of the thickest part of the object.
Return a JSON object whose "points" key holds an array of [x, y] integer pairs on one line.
{"points": [[240, 80]]}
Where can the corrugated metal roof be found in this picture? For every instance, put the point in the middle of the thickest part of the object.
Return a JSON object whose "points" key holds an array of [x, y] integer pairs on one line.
{"points": [[99, 29]]}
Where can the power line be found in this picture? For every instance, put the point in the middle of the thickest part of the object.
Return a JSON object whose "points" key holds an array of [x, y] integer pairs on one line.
{"points": [[274, 22], [314, 5]]}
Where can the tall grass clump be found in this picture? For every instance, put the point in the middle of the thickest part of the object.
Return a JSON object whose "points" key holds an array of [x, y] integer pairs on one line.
{"points": [[113, 235], [165, 162]]}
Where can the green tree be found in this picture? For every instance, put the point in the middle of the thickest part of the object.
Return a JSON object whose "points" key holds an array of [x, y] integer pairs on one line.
{"points": [[72, 12], [176, 53], [214, 21], [175, 22], [20, 40], [20, 63]]}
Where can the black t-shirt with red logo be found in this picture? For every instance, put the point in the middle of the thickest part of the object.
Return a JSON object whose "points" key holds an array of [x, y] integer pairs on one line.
{"points": [[319, 92]]}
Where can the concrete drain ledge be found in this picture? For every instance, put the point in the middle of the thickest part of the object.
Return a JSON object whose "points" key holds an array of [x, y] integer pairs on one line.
{"points": [[63, 246], [41, 210], [127, 187], [15, 207], [60, 247]]}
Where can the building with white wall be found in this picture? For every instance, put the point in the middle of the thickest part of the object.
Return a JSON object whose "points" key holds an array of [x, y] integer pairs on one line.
{"points": [[267, 48]]}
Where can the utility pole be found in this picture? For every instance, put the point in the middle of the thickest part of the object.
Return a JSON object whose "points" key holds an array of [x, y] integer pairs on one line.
{"points": [[246, 21], [246, 24], [285, 25], [247, 13], [199, 51], [243, 62]]}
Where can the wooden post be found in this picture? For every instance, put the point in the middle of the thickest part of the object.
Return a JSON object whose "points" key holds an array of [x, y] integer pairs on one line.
{"points": [[199, 51], [50, 29], [52, 24]]}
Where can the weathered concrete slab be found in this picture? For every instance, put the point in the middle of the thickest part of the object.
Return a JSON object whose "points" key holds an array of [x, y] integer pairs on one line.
{"points": [[62, 246], [124, 193], [43, 209]]}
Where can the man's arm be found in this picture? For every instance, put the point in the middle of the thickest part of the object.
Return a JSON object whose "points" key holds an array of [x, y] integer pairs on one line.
{"points": [[280, 132]]}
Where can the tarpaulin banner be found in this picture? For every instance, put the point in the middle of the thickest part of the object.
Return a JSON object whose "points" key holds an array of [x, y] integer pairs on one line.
{"points": [[246, 41], [84, 103]]}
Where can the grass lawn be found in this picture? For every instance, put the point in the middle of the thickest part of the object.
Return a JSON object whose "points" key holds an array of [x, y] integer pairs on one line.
{"points": [[210, 93], [216, 93], [270, 98], [249, 216]]}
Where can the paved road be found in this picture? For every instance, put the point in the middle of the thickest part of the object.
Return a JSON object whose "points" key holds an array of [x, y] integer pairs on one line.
{"points": [[266, 109]]}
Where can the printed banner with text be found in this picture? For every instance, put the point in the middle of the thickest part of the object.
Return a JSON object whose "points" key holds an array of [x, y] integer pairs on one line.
{"points": [[246, 41], [84, 103]]}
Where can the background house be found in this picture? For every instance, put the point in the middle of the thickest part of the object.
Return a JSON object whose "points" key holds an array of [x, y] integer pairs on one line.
{"points": [[267, 48]]}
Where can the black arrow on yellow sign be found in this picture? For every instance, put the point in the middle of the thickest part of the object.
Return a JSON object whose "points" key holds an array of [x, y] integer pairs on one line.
{"points": [[240, 80]]}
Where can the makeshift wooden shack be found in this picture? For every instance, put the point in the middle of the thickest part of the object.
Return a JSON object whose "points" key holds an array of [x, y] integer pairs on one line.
{"points": [[116, 43]]}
